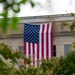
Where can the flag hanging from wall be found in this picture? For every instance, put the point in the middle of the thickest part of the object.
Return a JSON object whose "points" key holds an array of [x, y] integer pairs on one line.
{"points": [[38, 42]]}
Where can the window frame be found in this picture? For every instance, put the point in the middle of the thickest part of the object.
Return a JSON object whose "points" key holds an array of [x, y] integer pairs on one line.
{"points": [[67, 50], [21, 49]]}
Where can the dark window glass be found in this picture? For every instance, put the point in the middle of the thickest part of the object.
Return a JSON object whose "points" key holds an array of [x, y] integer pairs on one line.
{"points": [[54, 50], [67, 49], [21, 48], [20, 66]]}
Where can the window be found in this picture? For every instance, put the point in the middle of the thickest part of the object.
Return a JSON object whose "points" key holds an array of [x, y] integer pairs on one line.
{"points": [[21, 48], [20, 66], [67, 49], [54, 50]]}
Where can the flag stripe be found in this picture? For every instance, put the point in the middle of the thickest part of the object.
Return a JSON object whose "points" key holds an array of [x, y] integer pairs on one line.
{"points": [[25, 51], [47, 42], [40, 44], [37, 51], [42, 40], [37, 54], [29, 50], [31, 54], [52, 39], [24, 48]]}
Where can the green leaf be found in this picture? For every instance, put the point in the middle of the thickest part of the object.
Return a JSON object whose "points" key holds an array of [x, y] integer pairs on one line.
{"points": [[14, 24], [16, 9], [4, 25], [32, 3], [64, 23], [72, 14], [23, 1]]}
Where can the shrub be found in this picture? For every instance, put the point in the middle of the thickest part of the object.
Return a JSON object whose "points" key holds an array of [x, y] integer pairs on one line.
{"points": [[11, 59]]}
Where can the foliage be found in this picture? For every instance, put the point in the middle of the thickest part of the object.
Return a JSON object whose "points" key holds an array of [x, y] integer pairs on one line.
{"points": [[11, 59], [14, 6], [72, 25], [66, 65]]}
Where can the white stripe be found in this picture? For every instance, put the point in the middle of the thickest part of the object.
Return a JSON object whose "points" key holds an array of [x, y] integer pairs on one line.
{"points": [[40, 45], [45, 41], [31, 53], [35, 49], [49, 35], [27, 52]]}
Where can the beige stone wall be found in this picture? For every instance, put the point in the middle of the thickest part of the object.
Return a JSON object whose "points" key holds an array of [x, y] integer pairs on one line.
{"points": [[56, 27], [58, 40], [61, 39], [19, 31], [13, 42]]}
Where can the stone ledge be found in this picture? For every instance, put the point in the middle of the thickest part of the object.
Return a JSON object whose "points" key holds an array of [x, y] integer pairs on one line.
{"points": [[54, 34]]}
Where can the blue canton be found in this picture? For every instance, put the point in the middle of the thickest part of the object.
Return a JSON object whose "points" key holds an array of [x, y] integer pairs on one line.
{"points": [[31, 33]]}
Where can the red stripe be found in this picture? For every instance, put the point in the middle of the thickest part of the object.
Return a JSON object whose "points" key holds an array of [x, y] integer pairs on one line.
{"points": [[47, 42], [24, 48], [38, 51], [52, 39], [37, 54], [33, 54], [33, 49], [25, 51], [29, 49], [43, 41]]}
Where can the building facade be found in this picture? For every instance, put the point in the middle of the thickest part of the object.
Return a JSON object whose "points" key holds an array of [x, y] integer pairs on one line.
{"points": [[62, 36]]}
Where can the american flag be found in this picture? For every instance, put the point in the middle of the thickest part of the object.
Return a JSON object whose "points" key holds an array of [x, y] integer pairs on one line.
{"points": [[38, 42]]}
